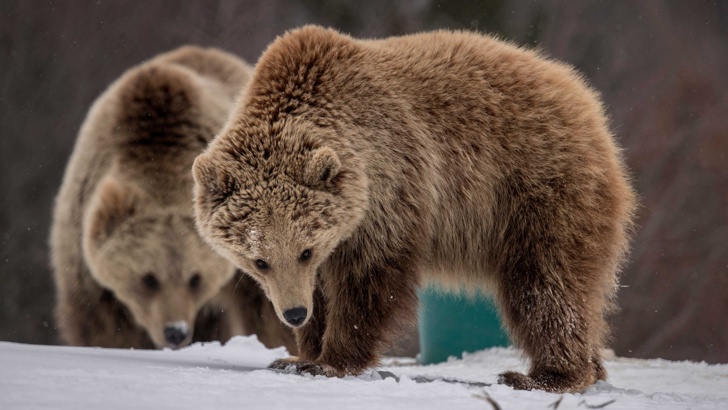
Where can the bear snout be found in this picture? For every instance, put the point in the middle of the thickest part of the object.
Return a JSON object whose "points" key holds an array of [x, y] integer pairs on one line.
{"points": [[295, 316], [175, 333]]}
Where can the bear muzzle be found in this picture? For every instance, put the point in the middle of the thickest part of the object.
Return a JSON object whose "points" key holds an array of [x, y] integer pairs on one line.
{"points": [[176, 333], [296, 316]]}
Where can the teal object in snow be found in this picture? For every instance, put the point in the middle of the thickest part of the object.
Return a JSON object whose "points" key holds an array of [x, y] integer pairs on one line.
{"points": [[450, 324]]}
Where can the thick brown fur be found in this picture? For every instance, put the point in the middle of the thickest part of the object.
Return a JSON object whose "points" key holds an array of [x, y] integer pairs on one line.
{"points": [[446, 157], [124, 212]]}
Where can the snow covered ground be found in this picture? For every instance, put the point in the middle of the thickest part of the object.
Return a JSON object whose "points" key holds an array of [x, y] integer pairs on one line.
{"points": [[212, 376]]}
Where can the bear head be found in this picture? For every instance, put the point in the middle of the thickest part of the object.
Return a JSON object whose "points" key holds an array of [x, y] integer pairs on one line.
{"points": [[152, 260], [277, 201]]}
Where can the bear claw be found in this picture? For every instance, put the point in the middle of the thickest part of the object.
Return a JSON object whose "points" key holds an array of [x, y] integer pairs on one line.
{"points": [[516, 380], [294, 365], [548, 381]]}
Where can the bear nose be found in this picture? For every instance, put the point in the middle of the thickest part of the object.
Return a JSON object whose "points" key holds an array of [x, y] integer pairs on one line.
{"points": [[295, 316], [175, 333]]}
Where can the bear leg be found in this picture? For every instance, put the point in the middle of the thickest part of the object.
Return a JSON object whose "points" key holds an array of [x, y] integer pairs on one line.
{"points": [[309, 340], [363, 311], [310, 337], [560, 332]]}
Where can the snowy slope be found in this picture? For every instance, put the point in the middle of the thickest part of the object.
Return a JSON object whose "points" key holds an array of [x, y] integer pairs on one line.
{"points": [[212, 376]]}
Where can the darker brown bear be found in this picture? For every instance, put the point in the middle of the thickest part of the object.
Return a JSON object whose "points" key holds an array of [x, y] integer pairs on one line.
{"points": [[353, 171]]}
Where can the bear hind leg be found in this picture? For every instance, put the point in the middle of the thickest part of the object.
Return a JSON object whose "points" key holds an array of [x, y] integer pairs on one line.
{"points": [[560, 328]]}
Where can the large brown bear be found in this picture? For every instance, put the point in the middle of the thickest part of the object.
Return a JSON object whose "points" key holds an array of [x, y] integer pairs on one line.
{"points": [[354, 170], [130, 268]]}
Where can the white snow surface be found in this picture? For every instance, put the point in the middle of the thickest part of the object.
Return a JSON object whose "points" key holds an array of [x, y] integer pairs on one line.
{"points": [[213, 376]]}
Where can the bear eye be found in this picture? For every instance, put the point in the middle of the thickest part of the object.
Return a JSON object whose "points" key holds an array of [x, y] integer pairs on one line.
{"points": [[195, 281], [305, 255], [261, 264], [150, 281]]}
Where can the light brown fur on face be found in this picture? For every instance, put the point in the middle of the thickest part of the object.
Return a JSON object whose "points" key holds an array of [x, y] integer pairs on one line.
{"points": [[446, 157], [151, 258], [130, 268]]}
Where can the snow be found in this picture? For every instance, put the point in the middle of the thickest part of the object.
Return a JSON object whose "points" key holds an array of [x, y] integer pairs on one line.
{"points": [[213, 376], [179, 325]]}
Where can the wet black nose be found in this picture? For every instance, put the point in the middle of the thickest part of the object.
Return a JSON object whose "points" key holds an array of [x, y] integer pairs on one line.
{"points": [[295, 316], [175, 335]]}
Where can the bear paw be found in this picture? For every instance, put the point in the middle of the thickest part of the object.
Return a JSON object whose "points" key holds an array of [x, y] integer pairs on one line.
{"points": [[547, 381], [294, 365]]}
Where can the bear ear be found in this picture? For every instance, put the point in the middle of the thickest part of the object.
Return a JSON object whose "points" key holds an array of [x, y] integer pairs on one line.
{"points": [[323, 166], [210, 182], [202, 173], [113, 203]]}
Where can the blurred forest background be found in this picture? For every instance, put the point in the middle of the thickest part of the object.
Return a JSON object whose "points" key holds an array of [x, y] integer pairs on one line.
{"points": [[661, 66]]}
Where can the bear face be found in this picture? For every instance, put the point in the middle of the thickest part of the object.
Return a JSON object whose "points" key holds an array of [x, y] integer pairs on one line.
{"points": [[280, 214], [152, 260]]}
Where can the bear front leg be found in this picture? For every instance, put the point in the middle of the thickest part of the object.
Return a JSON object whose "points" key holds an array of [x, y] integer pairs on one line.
{"points": [[309, 340], [366, 308]]}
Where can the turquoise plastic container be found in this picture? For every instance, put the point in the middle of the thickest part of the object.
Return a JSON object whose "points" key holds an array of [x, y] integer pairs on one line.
{"points": [[450, 324]]}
